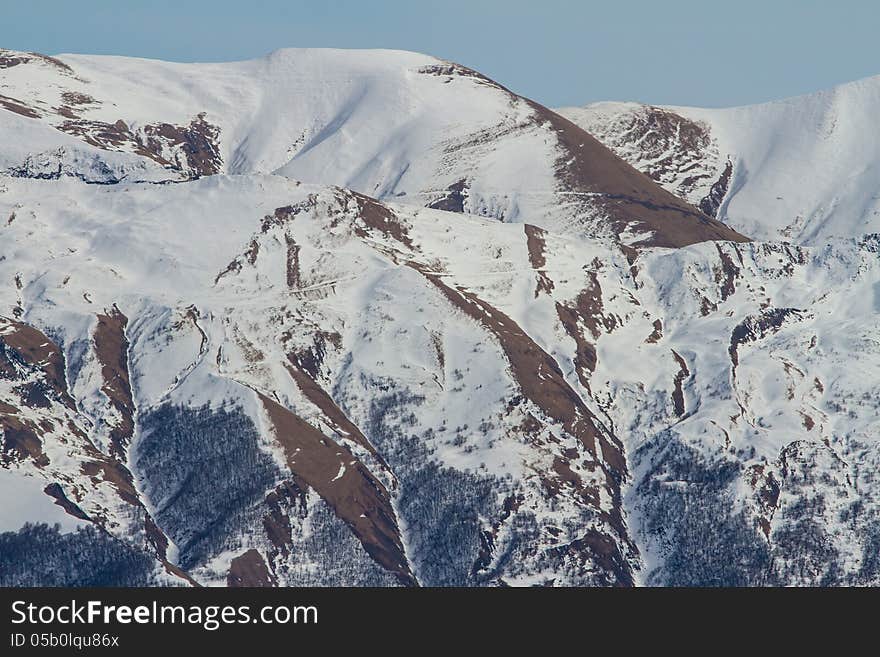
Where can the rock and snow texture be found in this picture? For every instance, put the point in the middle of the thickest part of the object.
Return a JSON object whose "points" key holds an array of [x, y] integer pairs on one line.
{"points": [[392, 125], [334, 318], [803, 169], [325, 364]]}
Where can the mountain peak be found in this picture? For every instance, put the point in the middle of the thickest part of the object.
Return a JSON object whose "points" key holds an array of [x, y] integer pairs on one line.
{"points": [[389, 124]]}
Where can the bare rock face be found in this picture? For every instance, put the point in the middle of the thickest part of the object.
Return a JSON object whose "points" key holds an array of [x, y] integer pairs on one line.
{"points": [[679, 153]]}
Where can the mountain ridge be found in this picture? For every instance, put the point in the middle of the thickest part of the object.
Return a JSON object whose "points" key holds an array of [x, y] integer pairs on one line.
{"points": [[462, 352], [759, 158], [339, 141]]}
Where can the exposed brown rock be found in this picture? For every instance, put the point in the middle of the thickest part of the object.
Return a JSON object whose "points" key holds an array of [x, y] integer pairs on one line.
{"points": [[311, 359], [707, 307], [101, 467], [727, 275], [630, 198], [155, 536], [111, 349], [52, 61], [287, 213], [535, 371], [21, 440], [198, 142], [536, 247], [276, 522], [767, 491], [252, 252], [110, 470], [541, 381], [675, 151], [657, 333], [755, 327], [437, 342], [32, 348], [27, 354], [76, 98], [354, 494], [586, 312], [249, 570], [808, 421], [614, 569], [451, 70], [171, 569], [380, 218], [72, 102], [566, 478], [18, 107], [66, 112], [293, 274], [233, 267], [338, 421], [585, 357], [108, 136], [10, 58]]}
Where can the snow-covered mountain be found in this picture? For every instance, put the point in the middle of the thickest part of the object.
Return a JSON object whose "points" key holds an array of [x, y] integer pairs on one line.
{"points": [[802, 170], [369, 318], [393, 125]]}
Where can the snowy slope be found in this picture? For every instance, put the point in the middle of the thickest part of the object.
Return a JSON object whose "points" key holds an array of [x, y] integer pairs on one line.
{"points": [[803, 169], [224, 361], [320, 311], [389, 124], [500, 372]]}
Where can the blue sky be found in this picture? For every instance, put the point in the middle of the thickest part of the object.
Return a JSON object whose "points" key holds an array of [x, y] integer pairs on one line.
{"points": [[559, 52]]}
